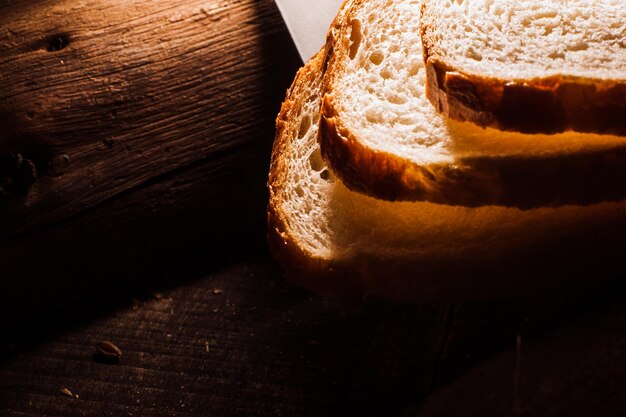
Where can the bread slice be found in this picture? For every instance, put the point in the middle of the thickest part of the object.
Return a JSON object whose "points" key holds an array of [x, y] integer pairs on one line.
{"points": [[346, 245], [382, 136], [528, 66]]}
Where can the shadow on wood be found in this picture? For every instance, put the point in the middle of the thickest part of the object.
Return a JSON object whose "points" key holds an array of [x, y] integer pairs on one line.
{"points": [[131, 133], [574, 369], [261, 347]]}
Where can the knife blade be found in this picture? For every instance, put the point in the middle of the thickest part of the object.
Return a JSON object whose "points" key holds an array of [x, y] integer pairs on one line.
{"points": [[308, 22]]}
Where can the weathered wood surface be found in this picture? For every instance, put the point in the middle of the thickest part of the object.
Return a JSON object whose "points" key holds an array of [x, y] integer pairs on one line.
{"points": [[131, 132], [259, 347], [577, 369]]}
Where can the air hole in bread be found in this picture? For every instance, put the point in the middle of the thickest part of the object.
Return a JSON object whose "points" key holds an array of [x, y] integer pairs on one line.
{"points": [[471, 53], [550, 14], [407, 120], [580, 46], [316, 161], [415, 69], [386, 74], [377, 57], [305, 125], [373, 116], [556, 55], [355, 38], [396, 98]]}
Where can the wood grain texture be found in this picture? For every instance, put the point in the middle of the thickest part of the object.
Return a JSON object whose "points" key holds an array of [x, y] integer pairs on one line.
{"points": [[259, 347], [130, 132], [138, 89], [256, 348], [575, 370]]}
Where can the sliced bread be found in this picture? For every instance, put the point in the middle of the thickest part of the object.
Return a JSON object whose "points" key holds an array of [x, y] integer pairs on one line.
{"points": [[382, 136], [526, 65], [346, 245]]}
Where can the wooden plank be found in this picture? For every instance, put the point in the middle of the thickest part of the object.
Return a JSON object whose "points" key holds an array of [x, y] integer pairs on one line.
{"points": [[260, 347], [138, 89], [576, 369], [257, 347], [131, 132]]}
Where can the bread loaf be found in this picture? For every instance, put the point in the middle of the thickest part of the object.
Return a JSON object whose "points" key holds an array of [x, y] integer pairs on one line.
{"points": [[346, 245]]}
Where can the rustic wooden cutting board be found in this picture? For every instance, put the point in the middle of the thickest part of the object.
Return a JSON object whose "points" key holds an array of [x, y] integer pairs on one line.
{"points": [[130, 133]]}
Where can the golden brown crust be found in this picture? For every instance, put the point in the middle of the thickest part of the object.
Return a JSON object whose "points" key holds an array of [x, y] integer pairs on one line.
{"points": [[582, 179], [542, 105], [332, 279], [389, 177]]}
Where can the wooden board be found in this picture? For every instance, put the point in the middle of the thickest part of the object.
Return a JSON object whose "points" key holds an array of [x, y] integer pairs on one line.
{"points": [[258, 348], [130, 132], [576, 369], [235, 340]]}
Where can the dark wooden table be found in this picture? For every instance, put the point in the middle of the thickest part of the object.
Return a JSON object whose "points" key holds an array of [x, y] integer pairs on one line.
{"points": [[207, 325], [224, 335]]}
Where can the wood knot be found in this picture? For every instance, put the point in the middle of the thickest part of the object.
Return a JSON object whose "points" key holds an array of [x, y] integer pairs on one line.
{"points": [[17, 174], [22, 162], [57, 42]]}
